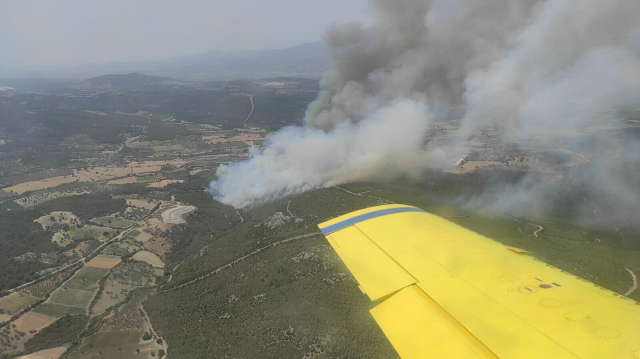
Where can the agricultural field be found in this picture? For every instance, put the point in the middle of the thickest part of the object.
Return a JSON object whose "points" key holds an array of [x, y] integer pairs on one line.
{"points": [[75, 295], [148, 257], [15, 303], [116, 345], [113, 222], [124, 278], [39, 185], [104, 261], [141, 203], [120, 249], [53, 353]]}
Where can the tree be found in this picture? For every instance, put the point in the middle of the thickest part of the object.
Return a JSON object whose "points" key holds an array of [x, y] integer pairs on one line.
{"points": [[146, 336]]}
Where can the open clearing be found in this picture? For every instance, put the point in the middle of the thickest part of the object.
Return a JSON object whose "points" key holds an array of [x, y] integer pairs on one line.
{"points": [[116, 345], [14, 303], [163, 183], [4, 317], [86, 278], [126, 180], [141, 203], [150, 258], [113, 222], [120, 249], [58, 310], [72, 297], [174, 215], [90, 231], [104, 261], [143, 236], [59, 217], [33, 321], [21, 188], [53, 353]]}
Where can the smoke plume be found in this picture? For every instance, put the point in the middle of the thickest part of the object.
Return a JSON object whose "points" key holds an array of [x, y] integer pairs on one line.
{"points": [[515, 65]]}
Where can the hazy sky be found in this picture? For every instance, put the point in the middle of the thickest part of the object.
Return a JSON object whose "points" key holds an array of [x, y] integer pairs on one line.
{"points": [[39, 32]]}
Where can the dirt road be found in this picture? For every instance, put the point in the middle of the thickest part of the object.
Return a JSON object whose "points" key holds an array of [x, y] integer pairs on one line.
{"points": [[634, 286], [540, 228], [244, 123], [364, 195], [230, 264]]}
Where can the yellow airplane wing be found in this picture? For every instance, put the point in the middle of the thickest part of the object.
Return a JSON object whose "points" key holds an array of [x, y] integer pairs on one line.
{"points": [[448, 292]]}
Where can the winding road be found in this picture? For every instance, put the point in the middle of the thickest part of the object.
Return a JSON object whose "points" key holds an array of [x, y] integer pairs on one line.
{"points": [[635, 282], [244, 123]]}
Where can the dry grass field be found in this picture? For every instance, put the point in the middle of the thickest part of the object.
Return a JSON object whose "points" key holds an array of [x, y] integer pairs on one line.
{"points": [[33, 321], [141, 203], [143, 236], [4, 317], [60, 217], [104, 261], [53, 353], [148, 257], [14, 303], [163, 183], [125, 180], [21, 188]]}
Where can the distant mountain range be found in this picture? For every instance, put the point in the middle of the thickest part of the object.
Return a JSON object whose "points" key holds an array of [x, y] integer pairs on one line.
{"points": [[308, 60]]}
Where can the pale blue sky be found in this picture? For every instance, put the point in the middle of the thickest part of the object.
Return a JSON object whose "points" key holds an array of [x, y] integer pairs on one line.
{"points": [[69, 32]]}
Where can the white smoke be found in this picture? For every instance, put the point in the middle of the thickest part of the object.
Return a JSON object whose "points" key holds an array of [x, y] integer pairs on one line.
{"points": [[516, 64], [298, 159]]}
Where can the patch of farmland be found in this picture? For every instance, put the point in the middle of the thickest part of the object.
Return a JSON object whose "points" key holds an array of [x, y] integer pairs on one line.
{"points": [[125, 180], [143, 236], [45, 287], [31, 322], [116, 345], [128, 316], [163, 183], [141, 203], [123, 279], [72, 297], [113, 222], [120, 249], [58, 310], [86, 278], [40, 185], [15, 303], [34, 176], [53, 353], [135, 213], [39, 198], [104, 261], [92, 232], [148, 257]]}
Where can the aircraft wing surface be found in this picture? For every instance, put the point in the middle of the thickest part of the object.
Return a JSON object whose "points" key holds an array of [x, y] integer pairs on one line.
{"points": [[448, 292]]}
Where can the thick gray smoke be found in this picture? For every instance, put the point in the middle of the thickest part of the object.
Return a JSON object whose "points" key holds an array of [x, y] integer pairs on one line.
{"points": [[515, 64]]}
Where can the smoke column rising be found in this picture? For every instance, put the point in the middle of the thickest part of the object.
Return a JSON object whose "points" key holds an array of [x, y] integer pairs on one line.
{"points": [[517, 64]]}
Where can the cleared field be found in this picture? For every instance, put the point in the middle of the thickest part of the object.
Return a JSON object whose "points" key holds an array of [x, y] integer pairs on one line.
{"points": [[104, 261], [59, 217], [141, 203], [4, 317], [53, 353], [86, 278], [14, 303], [143, 236], [196, 171], [72, 297], [125, 180], [33, 321], [154, 224], [163, 183], [40, 185], [472, 166], [150, 258], [120, 249], [90, 231], [113, 222], [116, 345], [58, 310], [174, 215]]}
